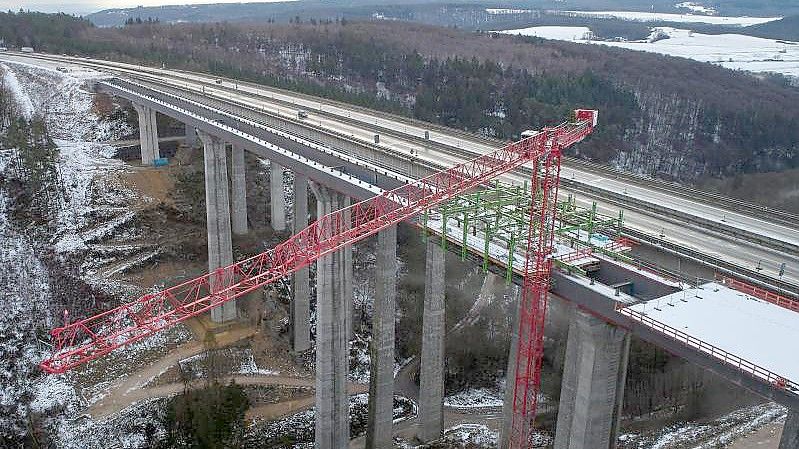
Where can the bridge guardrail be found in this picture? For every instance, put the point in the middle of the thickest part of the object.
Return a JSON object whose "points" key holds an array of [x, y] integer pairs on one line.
{"points": [[742, 364], [765, 295]]}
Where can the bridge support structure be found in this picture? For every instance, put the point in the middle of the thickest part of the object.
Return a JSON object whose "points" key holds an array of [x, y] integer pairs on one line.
{"points": [[790, 432], [217, 206], [592, 388], [301, 289], [431, 376], [332, 401], [191, 136], [148, 134], [238, 188], [277, 200], [379, 430]]}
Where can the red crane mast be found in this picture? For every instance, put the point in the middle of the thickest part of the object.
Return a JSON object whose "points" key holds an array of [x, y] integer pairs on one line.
{"points": [[87, 339]]}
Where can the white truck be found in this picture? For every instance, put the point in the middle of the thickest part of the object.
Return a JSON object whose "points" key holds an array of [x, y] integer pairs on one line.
{"points": [[26, 49]]}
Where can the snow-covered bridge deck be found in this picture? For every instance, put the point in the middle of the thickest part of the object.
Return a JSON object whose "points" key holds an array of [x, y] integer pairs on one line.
{"points": [[753, 334]]}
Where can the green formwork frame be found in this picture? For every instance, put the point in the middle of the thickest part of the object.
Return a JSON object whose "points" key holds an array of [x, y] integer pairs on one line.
{"points": [[501, 215]]}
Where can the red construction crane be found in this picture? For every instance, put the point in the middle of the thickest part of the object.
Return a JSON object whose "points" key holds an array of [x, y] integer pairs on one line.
{"points": [[87, 339]]}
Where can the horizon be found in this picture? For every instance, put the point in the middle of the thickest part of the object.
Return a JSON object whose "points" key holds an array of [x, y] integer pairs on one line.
{"points": [[89, 7]]}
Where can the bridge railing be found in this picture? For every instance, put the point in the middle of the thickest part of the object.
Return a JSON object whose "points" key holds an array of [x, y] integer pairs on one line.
{"points": [[714, 351], [761, 293]]}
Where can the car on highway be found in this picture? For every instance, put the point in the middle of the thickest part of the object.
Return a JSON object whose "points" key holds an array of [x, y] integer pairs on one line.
{"points": [[302, 113]]}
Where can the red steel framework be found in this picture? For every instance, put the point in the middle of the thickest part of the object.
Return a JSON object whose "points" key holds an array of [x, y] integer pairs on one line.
{"points": [[87, 339]]}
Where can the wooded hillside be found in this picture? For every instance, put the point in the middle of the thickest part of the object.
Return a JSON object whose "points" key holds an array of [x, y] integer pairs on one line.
{"points": [[661, 116]]}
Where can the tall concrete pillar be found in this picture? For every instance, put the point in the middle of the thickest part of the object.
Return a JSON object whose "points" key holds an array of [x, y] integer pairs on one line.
{"points": [[593, 384], [790, 432], [431, 376], [379, 430], [191, 136], [217, 205], [238, 190], [347, 274], [278, 202], [147, 129], [155, 151], [301, 305], [514, 292], [332, 402]]}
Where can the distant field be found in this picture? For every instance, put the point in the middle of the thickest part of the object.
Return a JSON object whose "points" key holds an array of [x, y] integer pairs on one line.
{"points": [[677, 18], [730, 50]]}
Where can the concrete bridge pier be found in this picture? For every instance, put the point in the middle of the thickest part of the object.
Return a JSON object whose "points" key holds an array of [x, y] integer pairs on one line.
{"points": [[379, 432], [514, 292], [191, 136], [217, 205], [592, 388], [278, 202], [347, 274], [790, 432], [148, 134], [431, 381], [332, 401], [301, 305], [238, 184]]}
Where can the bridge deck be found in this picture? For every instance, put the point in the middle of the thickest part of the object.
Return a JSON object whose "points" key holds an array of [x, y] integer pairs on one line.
{"points": [[741, 329]]}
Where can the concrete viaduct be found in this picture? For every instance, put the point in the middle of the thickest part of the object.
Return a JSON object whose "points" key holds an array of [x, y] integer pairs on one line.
{"points": [[598, 342]]}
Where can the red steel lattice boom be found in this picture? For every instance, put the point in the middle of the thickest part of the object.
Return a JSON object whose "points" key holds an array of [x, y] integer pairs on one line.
{"points": [[87, 339]]}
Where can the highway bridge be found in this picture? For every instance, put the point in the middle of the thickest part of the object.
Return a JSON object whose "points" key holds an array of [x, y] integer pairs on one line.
{"points": [[349, 152]]}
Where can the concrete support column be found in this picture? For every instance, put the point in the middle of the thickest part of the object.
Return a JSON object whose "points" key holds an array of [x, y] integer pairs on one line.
{"points": [[431, 376], [155, 151], [301, 305], [514, 292], [217, 205], [347, 274], [238, 190], [379, 430], [593, 384], [147, 129], [332, 402], [191, 136], [790, 432], [278, 202]]}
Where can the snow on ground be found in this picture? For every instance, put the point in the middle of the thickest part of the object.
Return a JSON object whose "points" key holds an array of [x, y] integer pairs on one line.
{"points": [[679, 18], [24, 293], [499, 11], [475, 398], [11, 83], [24, 282], [733, 51], [743, 325], [707, 435], [563, 33], [696, 7], [249, 367], [78, 133], [477, 434]]}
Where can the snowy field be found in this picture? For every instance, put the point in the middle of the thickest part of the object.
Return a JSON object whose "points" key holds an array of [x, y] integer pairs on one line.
{"points": [[696, 8], [745, 326], [733, 51], [561, 33], [500, 11], [679, 18]]}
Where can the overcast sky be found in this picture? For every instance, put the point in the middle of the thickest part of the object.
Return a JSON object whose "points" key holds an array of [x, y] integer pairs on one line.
{"points": [[88, 6]]}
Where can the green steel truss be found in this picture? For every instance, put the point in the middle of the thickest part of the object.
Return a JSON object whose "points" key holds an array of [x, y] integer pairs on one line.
{"points": [[500, 215]]}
